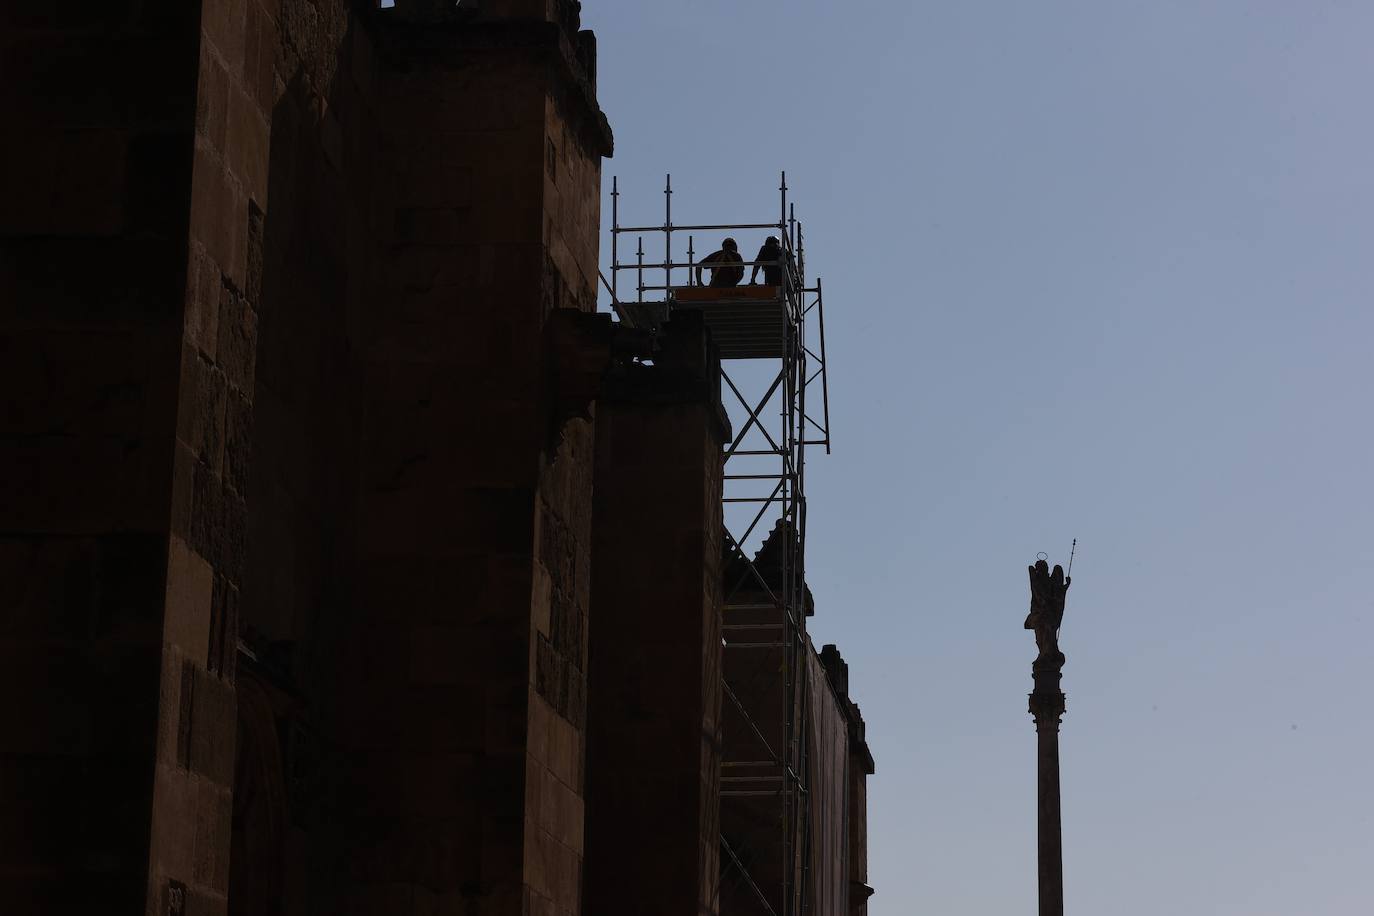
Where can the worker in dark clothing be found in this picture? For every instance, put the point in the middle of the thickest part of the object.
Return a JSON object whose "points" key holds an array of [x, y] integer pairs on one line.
{"points": [[771, 257], [726, 266]]}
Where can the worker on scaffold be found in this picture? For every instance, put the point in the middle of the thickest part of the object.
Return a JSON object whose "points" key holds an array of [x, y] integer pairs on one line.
{"points": [[726, 266], [769, 259]]}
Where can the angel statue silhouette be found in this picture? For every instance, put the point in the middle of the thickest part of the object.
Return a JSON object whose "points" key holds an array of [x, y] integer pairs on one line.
{"points": [[1048, 590]]}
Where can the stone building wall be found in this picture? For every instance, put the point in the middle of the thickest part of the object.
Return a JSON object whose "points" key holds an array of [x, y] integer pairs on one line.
{"points": [[298, 504], [298, 523], [653, 740], [436, 652], [860, 768], [211, 455], [99, 104]]}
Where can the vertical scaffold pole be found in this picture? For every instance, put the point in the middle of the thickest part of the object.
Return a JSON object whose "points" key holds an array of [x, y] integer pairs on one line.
{"points": [[782, 210], [795, 239], [825, 366], [794, 228], [668, 232], [615, 235], [639, 269]]}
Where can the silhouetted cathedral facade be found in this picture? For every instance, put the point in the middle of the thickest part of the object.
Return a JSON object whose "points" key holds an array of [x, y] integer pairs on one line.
{"points": [[351, 559]]}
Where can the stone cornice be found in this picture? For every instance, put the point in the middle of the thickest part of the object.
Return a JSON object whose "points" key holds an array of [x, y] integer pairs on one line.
{"points": [[572, 87]]}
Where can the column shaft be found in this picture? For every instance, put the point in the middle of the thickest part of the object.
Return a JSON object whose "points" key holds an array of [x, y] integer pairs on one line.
{"points": [[1050, 835]]}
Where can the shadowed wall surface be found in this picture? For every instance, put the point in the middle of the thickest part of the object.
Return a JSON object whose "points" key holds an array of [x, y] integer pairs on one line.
{"points": [[653, 744], [328, 236], [94, 236]]}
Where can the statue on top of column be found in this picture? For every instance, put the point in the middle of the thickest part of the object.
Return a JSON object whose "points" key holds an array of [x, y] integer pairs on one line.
{"points": [[1048, 590]]}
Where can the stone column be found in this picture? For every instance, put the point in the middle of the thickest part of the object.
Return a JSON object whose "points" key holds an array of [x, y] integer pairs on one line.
{"points": [[1047, 705], [1048, 591]]}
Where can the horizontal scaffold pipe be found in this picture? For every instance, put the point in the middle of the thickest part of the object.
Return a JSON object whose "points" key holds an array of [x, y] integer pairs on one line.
{"points": [[683, 265], [685, 228]]}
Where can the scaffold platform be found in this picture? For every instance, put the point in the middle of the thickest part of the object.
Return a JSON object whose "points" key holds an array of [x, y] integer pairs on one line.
{"points": [[746, 322]]}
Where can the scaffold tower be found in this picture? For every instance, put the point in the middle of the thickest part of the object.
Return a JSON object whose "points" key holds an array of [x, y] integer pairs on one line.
{"points": [[771, 340]]}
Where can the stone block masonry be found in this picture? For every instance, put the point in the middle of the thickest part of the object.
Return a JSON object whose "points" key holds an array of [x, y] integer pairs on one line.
{"points": [[261, 262], [653, 741], [93, 265]]}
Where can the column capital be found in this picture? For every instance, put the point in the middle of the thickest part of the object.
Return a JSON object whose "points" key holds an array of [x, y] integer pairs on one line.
{"points": [[1047, 706]]}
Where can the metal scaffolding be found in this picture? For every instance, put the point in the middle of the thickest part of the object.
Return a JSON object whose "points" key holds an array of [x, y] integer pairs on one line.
{"points": [[771, 340]]}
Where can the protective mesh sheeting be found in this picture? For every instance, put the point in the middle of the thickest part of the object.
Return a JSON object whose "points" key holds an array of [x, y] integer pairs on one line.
{"points": [[828, 752]]}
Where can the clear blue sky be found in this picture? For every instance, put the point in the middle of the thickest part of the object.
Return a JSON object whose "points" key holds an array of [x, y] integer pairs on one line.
{"points": [[1101, 270]]}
